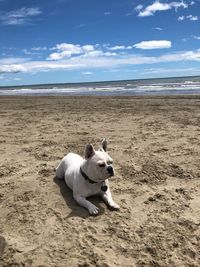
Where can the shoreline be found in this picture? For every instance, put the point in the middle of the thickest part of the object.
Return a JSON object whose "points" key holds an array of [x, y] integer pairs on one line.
{"points": [[100, 94], [158, 86], [150, 96]]}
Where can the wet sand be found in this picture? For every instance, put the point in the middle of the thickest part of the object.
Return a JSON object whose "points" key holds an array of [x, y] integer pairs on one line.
{"points": [[155, 144]]}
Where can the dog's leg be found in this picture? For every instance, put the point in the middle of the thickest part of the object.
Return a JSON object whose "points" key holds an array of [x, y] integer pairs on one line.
{"points": [[107, 198], [82, 201]]}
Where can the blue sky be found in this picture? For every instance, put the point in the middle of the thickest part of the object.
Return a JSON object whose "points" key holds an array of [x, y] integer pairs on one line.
{"points": [[61, 41]]}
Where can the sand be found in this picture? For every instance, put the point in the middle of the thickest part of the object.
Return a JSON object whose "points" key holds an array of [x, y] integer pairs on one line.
{"points": [[155, 144]]}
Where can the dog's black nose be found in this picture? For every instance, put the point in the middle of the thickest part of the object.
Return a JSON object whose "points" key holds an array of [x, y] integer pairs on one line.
{"points": [[110, 170]]}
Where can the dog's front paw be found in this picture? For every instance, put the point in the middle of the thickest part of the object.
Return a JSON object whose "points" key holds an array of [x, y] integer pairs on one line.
{"points": [[93, 210], [114, 206]]}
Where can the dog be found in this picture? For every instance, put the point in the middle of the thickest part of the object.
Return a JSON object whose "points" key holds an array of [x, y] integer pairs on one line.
{"points": [[88, 176]]}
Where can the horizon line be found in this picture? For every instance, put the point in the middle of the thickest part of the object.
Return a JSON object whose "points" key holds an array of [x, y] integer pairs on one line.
{"points": [[104, 81]]}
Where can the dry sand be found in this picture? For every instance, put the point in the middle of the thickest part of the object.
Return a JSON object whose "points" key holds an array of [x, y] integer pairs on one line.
{"points": [[155, 144]]}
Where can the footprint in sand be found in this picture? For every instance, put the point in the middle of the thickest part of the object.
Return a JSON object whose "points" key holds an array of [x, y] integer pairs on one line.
{"points": [[2, 245]]}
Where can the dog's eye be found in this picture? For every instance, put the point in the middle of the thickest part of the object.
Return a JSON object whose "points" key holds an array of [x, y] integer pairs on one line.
{"points": [[110, 162], [102, 165]]}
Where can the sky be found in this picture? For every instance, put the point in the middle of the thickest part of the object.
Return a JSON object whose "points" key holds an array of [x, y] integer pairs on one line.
{"points": [[61, 41]]}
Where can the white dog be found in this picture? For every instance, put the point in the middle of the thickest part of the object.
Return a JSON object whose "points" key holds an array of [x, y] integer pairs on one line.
{"points": [[88, 176]]}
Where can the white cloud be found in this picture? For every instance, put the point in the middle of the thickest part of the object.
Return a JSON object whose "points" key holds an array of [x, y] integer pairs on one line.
{"points": [[189, 17], [157, 6], [38, 66], [181, 18], [55, 56], [138, 8], [31, 53], [95, 53], [107, 13], [65, 50], [87, 73], [185, 39], [92, 58], [34, 51], [182, 71], [159, 44], [13, 68], [191, 55], [110, 54], [81, 25], [88, 48], [68, 47], [120, 47], [40, 48], [117, 47], [19, 16], [194, 18], [196, 37], [13, 60], [157, 29]]}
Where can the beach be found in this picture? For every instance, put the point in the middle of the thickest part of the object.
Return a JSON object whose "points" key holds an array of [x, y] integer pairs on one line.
{"points": [[155, 144]]}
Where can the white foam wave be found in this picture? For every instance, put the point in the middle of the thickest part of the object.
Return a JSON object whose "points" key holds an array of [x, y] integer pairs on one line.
{"points": [[185, 86]]}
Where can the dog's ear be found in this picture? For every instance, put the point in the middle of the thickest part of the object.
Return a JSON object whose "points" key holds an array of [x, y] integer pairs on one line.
{"points": [[104, 144], [89, 151]]}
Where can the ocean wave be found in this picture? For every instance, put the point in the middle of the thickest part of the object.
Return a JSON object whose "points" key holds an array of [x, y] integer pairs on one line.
{"points": [[111, 88]]}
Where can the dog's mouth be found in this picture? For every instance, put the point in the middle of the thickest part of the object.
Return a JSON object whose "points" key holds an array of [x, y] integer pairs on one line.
{"points": [[103, 180], [111, 174], [107, 176]]}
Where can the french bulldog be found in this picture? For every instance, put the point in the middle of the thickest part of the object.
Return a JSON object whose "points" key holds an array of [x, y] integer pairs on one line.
{"points": [[88, 176]]}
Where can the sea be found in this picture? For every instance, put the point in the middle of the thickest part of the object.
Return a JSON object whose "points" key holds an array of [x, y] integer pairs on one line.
{"points": [[139, 87]]}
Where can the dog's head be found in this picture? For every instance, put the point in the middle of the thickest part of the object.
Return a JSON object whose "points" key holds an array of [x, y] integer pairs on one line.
{"points": [[98, 163]]}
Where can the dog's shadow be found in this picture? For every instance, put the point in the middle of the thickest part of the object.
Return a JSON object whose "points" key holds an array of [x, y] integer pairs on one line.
{"points": [[76, 210]]}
